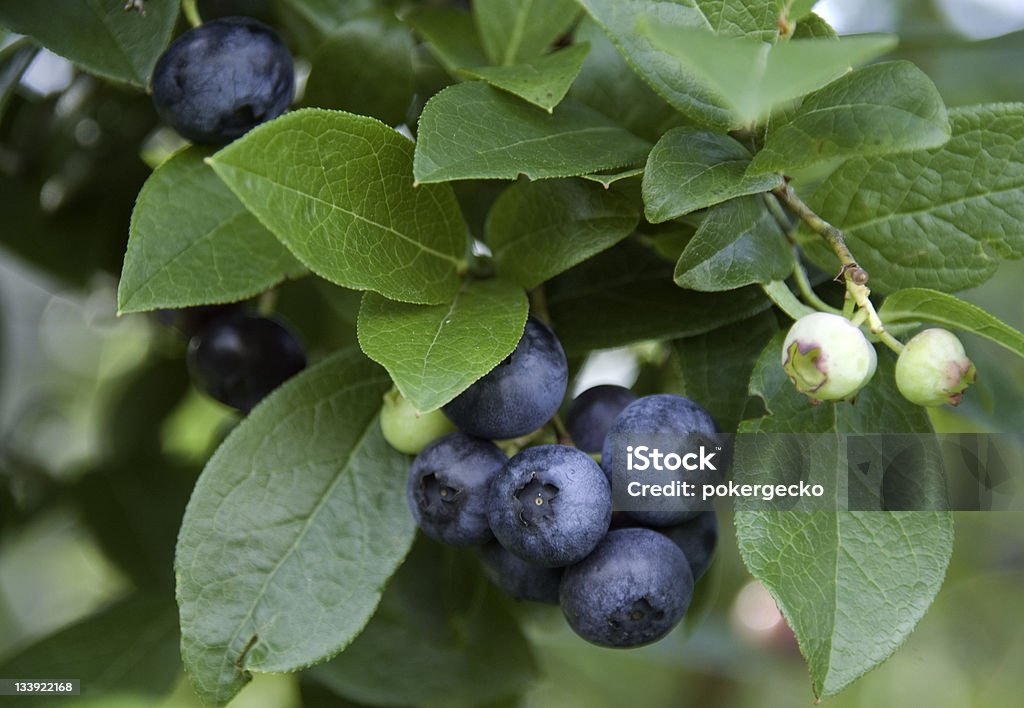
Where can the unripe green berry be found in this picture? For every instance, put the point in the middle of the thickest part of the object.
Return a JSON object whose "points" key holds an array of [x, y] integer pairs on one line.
{"points": [[827, 357], [933, 369], [408, 430]]}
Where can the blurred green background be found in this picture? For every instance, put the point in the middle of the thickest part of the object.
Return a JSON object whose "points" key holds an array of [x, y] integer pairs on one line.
{"points": [[102, 437]]}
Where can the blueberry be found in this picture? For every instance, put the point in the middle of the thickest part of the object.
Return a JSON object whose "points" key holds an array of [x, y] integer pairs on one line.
{"points": [[218, 80], [592, 413], [448, 486], [632, 590], [697, 540], [550, 505], [518, 578], [670, 416], [520, 394], [240, 359]]}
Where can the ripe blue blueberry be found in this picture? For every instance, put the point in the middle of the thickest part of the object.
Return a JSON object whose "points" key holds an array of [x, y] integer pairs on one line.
{"points": [[697, 540], [519, 579], [550, 505], [239, 359], [592, 413], [520, 394], [448, 486], [632, 590], [217, 81], [675, 419]]}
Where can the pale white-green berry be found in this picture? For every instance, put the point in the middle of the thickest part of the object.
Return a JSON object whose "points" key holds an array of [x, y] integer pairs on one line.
{"points": [[408, 430], [933, 369], [827, 357]]}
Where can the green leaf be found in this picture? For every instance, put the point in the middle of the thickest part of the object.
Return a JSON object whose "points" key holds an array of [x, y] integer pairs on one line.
{"points": [[626, 295], [337, 190], [434, 352], [690, 169], [607, 84], [881, 109], [129, 647], [472, 131], [715, 367], [941, 218], [101, 36], [213, 251], [451, 35], [513, 31], [365, 67], [292, 530], [675, 82], [446, 627], [934, 307], [852, 585], [750, 77], [543, 81], [536, 230], [738, 244]]}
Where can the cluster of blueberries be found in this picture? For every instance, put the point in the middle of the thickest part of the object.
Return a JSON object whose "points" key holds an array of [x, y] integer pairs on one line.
{"points": [[544, 517]]}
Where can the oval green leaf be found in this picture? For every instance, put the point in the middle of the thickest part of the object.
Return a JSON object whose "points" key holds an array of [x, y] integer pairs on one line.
{"points": [[881, 109], [543, 81], [473, 131], [536, 230], [293, 528], [434, 352], [101, 36], [191, 242], [851, 584], [691, 169], [337, 189], [942, 218], [934, 307], [739, 243]]}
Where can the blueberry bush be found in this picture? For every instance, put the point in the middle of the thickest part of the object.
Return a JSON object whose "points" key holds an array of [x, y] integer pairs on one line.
{"points": [[447, 208]]}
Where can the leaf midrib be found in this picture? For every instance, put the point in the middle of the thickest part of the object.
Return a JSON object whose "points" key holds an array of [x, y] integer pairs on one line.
{"points": [[228, 660], [355, 215], [934, 206], [520, 143]]}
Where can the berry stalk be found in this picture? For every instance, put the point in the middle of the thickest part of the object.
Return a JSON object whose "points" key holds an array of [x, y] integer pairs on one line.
{"points": [[850, 273]]}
